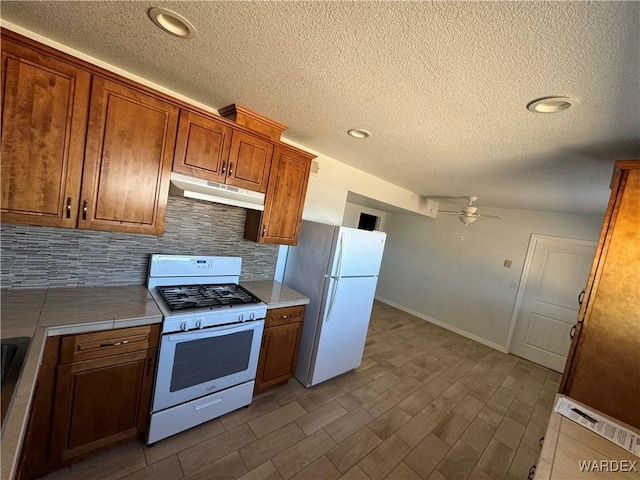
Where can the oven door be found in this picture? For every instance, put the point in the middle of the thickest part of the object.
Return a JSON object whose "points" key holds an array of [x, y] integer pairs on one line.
{"points": [[194, 364]]}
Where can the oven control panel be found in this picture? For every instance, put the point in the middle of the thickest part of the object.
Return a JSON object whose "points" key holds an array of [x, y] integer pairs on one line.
{"points": [[201, 263], [195, 321], [191, 265]]}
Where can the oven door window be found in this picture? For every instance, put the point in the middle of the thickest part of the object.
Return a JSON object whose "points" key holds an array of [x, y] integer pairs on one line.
{"points": [[204, 360]]}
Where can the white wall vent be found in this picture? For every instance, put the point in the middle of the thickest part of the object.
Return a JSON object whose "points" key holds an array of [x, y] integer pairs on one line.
{"points": [[315, 167]]}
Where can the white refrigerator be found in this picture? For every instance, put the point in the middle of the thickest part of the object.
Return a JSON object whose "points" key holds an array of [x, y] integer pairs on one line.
{"points": [[337, 268]]}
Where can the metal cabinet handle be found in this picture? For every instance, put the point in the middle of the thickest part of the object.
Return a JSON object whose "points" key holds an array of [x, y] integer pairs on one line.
{"points": [[230, 168], [224, 167], [68, 207], [264, 230], [580, 297], [532, 472], [123, 342], [285, 316], [84, 210], [572, 333]]}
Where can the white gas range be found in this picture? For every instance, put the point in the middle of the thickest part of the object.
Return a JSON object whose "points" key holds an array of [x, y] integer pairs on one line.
{"points": [[211, 336]]}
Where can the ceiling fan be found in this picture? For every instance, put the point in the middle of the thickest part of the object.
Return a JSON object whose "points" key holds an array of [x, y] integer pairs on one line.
{"points": [[469, 214]]}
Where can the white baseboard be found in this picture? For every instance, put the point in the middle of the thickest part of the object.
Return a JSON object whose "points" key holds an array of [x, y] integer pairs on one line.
{"points": [[471, 336]]}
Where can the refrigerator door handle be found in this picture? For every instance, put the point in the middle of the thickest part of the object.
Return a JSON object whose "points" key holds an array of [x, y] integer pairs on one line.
{"points": [[334, 292], [339, 268]]}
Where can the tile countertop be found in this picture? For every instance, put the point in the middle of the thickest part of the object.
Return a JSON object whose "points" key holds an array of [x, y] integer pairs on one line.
{"points": [[567, 443], [40, 313], [275, 294]]}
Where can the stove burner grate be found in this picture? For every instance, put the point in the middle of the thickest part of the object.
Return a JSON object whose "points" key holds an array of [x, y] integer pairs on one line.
{"points": [[183, 297]]}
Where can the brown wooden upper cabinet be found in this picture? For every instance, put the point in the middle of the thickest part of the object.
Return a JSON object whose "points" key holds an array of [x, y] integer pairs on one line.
{"points": [[130, 142], [602, 368], [212, 150], [70, 159], [44, 120], [284, 201], [85, 148]]}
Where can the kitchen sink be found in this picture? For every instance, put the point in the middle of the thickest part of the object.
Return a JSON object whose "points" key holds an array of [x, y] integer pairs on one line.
{"points": [[14, 352]]}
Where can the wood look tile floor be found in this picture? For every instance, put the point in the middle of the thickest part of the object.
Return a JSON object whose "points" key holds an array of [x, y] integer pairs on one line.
{"points": [[425, 404]]}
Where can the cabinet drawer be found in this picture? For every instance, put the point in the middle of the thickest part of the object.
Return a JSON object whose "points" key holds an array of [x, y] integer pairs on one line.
{"points": [[78, 348], [283, 316]]}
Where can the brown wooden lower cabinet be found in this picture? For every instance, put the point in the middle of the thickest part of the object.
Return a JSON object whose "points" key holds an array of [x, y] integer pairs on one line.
{"points": [[93, 391], [280, 343]]}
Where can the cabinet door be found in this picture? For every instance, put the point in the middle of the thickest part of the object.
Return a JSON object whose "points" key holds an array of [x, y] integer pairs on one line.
{"points": [[130, 142], [44, 113], [602, 369], [202, 147], [35, 448], [249, 162], [102, 401], [280, 222], [278, 355]]}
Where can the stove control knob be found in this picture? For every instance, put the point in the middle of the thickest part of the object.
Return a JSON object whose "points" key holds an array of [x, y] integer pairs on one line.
{"points": [[252, 316], [184, 326], [199, 323], [241, 317]]}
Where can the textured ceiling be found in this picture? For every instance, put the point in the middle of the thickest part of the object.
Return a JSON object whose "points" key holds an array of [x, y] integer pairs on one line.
{"points": [[443, 86]]}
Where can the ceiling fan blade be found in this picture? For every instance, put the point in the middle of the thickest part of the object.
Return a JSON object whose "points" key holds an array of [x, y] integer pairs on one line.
{"points": [[446, 197], [457, 212], [495, 217]]}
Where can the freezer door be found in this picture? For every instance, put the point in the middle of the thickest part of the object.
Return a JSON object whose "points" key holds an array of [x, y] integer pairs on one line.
{"points": [[341, 337], [357, 253]]}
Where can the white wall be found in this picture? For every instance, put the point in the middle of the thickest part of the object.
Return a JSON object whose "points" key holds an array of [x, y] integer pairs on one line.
{"points": [[327, 192], [352, 213], [444, 271]]}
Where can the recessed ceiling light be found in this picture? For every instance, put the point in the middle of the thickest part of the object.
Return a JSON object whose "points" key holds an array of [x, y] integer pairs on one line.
{"points": [[359, 133], [172, 22], [550, 104]]}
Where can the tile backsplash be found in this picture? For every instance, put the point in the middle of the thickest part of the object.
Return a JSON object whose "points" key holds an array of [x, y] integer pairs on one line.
{"points": [[34, 257]]}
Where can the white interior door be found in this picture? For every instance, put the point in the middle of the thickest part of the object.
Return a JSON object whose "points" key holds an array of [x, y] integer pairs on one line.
{"points": [[556, 275], [344, 327]]}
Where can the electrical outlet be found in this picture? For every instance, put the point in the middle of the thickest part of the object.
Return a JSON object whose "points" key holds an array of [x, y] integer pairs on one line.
{"points": [[507, 263]]}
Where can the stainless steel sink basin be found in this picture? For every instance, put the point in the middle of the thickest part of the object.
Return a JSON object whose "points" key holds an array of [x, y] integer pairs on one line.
{"points": [[14, 352]]}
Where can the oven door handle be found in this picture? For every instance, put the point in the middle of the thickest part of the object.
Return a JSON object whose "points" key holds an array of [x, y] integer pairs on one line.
{"points": [[212, 332]]}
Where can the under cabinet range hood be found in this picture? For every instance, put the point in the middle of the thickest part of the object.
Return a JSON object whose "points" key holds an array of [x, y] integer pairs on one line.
{"points": [[191, 187]]}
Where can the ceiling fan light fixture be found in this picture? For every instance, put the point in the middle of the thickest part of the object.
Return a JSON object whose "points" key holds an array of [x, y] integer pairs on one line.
{"points": [[467, 220], [469, 210], [172, 22], [359, 133], [550, 104]]}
